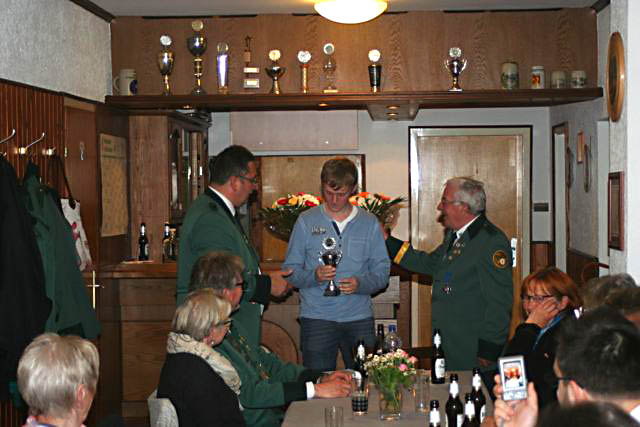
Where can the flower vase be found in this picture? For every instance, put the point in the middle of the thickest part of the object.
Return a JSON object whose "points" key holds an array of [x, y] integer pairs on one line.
{"points": [[390, 401]]}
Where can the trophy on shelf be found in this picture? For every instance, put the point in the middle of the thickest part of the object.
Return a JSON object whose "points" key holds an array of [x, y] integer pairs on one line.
{"points": [[165, 62], [329, 68], [249, 81], [304, 57], [275, 71], [375, 70], [197, 45], [222, 66], [331, 256], [456, 65]]}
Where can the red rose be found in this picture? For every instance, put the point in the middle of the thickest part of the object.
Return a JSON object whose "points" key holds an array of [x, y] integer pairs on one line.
{"points": [[282, 201]]}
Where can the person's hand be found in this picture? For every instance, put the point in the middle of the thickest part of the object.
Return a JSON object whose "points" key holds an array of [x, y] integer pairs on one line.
{"points": [[517, 413], [349, 285], [324, 273], [334, 386], [544, 312], [483, 362], [342, 375], [497, 388], [279, 285], [489, 422]]}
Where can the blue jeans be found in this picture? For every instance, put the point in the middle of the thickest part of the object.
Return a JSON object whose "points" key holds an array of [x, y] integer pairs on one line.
{"points": [[320, 340]]}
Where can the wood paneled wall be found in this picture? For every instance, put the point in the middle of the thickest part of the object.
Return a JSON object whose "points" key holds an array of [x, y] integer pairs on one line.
{"points": [[31, 111], [413, 47]]}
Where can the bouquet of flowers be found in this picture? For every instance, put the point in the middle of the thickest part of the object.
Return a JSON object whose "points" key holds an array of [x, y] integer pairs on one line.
{"points": [[389, 372], [378, 204], [283, 213]]}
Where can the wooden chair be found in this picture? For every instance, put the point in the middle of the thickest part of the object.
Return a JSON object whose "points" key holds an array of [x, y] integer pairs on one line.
{"points": [[276, 340]]}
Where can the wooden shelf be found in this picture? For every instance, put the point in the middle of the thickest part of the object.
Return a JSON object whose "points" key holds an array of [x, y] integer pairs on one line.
{"points": [[408, 103]]}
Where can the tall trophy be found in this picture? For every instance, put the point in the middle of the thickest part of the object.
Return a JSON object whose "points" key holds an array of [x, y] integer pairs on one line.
{"points": [[165, 63], [249, 81], [275, 71], [197, 45], [375, 70], [331, 256], [304, 57], [329, 68], [222, 66], [456, 65]]}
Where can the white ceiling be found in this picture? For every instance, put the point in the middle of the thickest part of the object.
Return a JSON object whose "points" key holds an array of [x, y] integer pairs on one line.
{"points": [[246, 7]]}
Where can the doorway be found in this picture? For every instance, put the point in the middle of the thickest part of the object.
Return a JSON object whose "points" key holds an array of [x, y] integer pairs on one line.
{"points": [[498, 156]]}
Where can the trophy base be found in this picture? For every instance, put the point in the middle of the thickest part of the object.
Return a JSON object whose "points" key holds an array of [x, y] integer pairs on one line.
{"points": [[251, 83], [375, 89], [198, 91], [329, 90], [223, 90], [455, 89], [331, 290]]}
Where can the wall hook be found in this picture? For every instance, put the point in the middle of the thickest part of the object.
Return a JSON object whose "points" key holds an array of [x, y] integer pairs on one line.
{"points": [[23, 150], [13, 133]]}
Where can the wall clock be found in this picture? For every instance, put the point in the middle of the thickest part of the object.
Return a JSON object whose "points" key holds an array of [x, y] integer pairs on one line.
{"points": [[615, 76]]}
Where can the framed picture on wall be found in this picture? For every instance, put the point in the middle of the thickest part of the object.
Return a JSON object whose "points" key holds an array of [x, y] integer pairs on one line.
{"points": [[616, 210]]}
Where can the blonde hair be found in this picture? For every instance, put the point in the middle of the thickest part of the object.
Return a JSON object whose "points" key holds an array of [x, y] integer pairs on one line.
{"points": [[51, 369], [199, 312]]}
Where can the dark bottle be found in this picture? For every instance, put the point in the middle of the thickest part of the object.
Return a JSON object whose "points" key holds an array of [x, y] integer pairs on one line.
{"points": [[470, 419], [358, 363], [379, 349], [453, 408], [434, 413], [167, 248], [479, 401], [438, 364], [143, 244]]}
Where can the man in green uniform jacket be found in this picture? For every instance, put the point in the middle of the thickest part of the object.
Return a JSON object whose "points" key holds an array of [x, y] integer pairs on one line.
{"points": [[268, 383], [472, 293], [211, 225]]}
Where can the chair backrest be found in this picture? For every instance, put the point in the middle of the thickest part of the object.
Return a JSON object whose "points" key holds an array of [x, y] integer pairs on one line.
{"points": [[278, 341], [161, 412]]}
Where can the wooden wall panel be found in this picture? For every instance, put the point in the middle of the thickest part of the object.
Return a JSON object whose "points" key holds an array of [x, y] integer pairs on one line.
{"points": [[31, 111], [413, 47], [542, 255], [576, 263]]}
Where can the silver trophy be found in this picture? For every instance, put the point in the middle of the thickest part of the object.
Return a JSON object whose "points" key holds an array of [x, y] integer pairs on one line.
{"points": [[304, 57], [275, 71], [331, 256], [456, 65], [329, 68], [222, 62], [197, 45], [165, 63]]}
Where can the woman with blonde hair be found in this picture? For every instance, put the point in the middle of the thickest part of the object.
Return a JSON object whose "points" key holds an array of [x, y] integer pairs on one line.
{"points": [[549, 297], [202, 384], [57, 377]]}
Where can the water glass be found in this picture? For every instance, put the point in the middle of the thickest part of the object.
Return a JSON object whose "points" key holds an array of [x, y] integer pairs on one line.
{"points": [[359, 396], [421, 392], [333, 417]]}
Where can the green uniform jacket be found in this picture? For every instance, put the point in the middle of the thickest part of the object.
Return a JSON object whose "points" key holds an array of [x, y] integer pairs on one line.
{"points": [[472, 293], [268, 383], [209, 226]]}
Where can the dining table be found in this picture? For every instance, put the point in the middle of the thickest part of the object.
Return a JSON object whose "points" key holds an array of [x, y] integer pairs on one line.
{"points": [[310, 413]]}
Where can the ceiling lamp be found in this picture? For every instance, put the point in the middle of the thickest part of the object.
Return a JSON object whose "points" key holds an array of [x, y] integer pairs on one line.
{"points": [[350, 11]]}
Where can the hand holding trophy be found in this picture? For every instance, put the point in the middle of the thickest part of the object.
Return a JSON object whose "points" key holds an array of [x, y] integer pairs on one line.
{"points": [[331, 256]]}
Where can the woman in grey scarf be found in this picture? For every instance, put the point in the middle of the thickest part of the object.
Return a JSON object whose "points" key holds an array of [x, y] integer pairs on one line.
{"points": [[202, 385]]}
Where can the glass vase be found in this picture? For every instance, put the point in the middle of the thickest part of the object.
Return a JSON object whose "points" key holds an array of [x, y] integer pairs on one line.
{"points": [[390, 401]]}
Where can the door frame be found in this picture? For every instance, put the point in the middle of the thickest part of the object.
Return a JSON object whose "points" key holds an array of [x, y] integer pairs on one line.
{"points": [[559, 129]]}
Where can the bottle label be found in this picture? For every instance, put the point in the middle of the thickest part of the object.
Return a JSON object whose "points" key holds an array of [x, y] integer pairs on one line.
{"points": [[434, 417], [440, 368], [454, 389], [469, 409], [437, 341], [146, 250], [483, 413], [460, 420], [476, 382]]}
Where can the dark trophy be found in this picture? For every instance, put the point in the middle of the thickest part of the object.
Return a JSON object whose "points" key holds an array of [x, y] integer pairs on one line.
{"points": [[455, 65], [375, 70], [332, 257], [197, 45]]}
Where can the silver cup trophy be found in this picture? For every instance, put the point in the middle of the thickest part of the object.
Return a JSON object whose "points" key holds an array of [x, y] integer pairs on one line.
{"points": [[331, 256], [222, 62], [197, 45], [329, 68], [456, 65], [275, 71], [165, 63]]}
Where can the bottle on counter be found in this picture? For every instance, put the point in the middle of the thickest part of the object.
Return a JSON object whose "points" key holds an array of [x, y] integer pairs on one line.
{"points": [[470, 419], [434, 413], [453, 408], [438, 363], [479, 401], [358, 363], [167, 249], [143, 244], [392, 341], [379, 348]]}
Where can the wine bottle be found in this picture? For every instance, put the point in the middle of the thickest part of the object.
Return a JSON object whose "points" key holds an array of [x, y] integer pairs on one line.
{"points": [[453, 408], [166, 243], [358, 363], [438, 363], [379, 348], [434, 413], [470, 419], [479, 401], [143, 244]]}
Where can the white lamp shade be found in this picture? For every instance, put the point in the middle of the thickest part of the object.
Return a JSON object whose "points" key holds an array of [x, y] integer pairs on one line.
{"points": [[350, 11]]}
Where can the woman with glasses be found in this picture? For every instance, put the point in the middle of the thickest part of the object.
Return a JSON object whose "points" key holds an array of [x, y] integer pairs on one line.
{"points": [[202, 384], [549, 297]]}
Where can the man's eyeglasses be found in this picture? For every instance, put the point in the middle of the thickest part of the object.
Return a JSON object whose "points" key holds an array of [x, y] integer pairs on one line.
{"points": [[253, 180], [554, 380], [226, 322], [535, 298], [243, 285], [444, 201]]}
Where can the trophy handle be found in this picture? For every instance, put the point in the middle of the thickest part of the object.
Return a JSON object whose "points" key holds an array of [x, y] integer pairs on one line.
{"points": [[464, 64], [116, 86], [446, 64]]}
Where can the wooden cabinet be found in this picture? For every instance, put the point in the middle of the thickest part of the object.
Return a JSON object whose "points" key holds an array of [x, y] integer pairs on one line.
{"points": [[168, 169]]}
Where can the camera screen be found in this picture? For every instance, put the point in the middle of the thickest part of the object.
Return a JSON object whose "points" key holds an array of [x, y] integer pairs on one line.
{"points": [[513, 375]]}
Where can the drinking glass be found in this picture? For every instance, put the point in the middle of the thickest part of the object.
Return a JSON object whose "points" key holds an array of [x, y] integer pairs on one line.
{"points": [[359, 396], [333, 416], [421, 391]]}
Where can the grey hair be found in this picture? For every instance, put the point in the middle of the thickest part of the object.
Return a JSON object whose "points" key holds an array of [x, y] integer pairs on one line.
{"points": [[200, 311], [470, 192], [216, 270], [52, 368], [598, 289]]}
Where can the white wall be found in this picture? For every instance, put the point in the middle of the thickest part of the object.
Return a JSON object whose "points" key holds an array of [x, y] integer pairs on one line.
{"points": [[55, 45]]}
